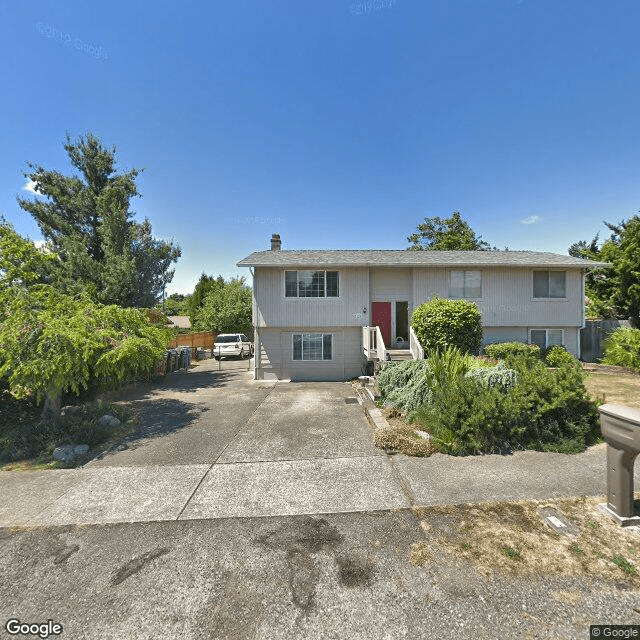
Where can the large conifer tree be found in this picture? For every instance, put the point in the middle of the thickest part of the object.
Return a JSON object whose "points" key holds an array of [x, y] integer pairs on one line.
{"points": [[87, 221]]}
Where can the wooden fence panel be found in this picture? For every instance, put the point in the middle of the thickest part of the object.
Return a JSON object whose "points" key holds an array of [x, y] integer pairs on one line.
{"points": [[594, 334], [204, 339]]}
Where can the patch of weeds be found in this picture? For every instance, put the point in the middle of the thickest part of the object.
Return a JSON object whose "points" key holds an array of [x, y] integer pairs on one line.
{"points": [[511, 553], [574, 548], [465, 545], [624, 564], [599, 553], [379, 404], [591, 524]]}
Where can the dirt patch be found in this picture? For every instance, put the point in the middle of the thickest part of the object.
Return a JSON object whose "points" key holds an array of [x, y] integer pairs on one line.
{"points": [[511, 538], [613, 384]]}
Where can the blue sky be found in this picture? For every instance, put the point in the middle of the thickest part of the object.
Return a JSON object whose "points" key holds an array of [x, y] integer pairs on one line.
{"points": [[336, 123]]}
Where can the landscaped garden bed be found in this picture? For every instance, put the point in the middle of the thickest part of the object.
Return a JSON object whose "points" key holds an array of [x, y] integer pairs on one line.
{"points": [[458, 404], [27, 442]]}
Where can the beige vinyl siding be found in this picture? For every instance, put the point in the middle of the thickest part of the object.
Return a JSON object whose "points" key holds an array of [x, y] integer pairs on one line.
{"points": [[346, 363], [388, 284], [507, 297], [273, 309]]}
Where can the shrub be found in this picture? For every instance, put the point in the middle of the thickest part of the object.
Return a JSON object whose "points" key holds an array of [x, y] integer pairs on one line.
{"points": [[502, 350], [498, 376], [448, 364], [547, 410], [558, 355], [407, 385], [622, 348], [440, 323], [404, 384]]}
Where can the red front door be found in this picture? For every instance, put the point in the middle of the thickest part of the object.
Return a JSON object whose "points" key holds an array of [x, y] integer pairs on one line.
{"points": [[381, 317]]}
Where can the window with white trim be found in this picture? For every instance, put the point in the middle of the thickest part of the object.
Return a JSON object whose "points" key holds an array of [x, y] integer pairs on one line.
{"points": [[312, 346], [465, 284], [549, 284], [311, 284], [546, 337]]}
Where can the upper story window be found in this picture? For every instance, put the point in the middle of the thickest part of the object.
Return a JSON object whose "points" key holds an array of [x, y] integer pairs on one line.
{"points": [[549, 284], [465, 284], [311, 284]]}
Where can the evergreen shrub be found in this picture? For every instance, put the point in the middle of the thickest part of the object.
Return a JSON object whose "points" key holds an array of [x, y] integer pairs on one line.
{"points": [[498, 376], [404, 384], [547, 410]]}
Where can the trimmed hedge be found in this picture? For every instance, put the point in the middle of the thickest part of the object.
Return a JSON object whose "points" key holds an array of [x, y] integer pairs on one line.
{"points": [[502, 350], [440, 323]]}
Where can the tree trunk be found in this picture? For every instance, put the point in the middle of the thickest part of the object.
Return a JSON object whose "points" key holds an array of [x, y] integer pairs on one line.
{"points": [[51, 409]]}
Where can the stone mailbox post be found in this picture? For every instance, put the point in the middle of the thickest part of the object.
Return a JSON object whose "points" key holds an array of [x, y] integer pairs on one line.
{"points": [[620, 428]]}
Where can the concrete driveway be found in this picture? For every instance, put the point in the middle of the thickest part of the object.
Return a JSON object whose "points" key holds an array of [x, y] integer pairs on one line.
{"points": [[215, 444], [166, 557]]}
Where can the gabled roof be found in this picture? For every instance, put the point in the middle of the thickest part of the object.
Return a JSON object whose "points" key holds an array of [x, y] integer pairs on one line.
{"points": [[395, 258]]}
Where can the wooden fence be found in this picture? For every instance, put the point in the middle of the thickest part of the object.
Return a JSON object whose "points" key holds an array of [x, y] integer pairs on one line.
{"points": [[594, 334], [204, 339]]}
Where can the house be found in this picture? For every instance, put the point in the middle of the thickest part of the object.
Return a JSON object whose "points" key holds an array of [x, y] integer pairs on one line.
{"points": [[321, 315], [180, 322]]}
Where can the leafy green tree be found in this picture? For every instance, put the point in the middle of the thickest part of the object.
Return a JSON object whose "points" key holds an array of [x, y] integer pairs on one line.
{"points": [[440, 323], [21, 263], [177, 304], [206, 285], [226, 310], [51, 343], [446, 234], [614, 292], [88, 223]]}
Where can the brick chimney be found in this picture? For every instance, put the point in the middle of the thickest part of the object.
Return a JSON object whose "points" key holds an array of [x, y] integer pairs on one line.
{"points": [[276, 245]]}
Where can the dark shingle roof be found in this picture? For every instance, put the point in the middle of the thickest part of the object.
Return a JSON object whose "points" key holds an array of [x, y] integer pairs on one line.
{"points": [[395, 258]]}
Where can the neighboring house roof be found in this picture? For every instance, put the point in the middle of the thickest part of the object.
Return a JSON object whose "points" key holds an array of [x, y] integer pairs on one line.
{"points": [[395, 258], [182, 322]]}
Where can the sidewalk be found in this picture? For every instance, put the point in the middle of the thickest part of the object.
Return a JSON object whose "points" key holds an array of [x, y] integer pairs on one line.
{"points": [[291, 487]]}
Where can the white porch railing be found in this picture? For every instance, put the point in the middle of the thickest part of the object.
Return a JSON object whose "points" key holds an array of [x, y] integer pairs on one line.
{"points": [[416, 348], [373, 345]]}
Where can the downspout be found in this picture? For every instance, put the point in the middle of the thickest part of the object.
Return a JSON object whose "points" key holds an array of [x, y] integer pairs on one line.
{"points": [[583, 324]]}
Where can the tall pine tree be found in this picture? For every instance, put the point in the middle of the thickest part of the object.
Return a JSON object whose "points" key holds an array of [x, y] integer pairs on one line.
{"points": [[87, 221]]}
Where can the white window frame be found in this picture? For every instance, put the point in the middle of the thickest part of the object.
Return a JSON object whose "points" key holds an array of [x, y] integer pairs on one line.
{"points": [[298, 297], [549, 298], [546, 335], [464, 292], [310, 333]]}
